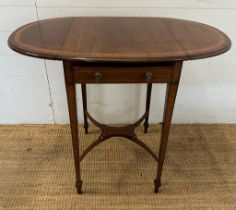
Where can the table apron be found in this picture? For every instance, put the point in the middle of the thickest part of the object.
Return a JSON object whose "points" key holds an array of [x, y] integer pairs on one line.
{"points": [[104, 74]]}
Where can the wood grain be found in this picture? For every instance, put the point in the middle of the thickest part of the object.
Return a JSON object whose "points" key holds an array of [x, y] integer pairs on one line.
{"points": [[118, 39]]}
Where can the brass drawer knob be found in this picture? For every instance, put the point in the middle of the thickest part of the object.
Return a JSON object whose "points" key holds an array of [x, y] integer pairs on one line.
{"points": [[148, 76], [98, 77]]}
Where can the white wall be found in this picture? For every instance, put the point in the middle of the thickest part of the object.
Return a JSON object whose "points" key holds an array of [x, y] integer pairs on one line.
{"points": [[32, 90]]}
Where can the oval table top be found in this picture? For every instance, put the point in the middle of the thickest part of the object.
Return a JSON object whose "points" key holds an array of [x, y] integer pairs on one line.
{"points": [[118, 39]]}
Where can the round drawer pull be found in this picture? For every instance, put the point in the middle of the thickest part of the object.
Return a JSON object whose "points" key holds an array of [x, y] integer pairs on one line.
{"points": [[148, 76], [97, 77]]}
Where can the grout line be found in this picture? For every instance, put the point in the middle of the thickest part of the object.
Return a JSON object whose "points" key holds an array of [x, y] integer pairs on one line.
{"points": [[140, 7], [46, 71], [16, 6], [121, 7], [36, 8], [50, 92]]}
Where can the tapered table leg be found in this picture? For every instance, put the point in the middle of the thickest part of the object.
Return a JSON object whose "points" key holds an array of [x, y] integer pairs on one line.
{"points": [[71, 99], [84, 98], [171, 92], [148, 99]]}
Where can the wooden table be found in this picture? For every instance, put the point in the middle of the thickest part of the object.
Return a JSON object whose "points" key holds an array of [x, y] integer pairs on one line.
{"points": [[119, 50]]}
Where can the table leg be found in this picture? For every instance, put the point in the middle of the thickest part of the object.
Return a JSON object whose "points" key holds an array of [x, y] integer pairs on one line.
{"points": [[148, 98], [169, 106], [71, 99], [84, 98]]}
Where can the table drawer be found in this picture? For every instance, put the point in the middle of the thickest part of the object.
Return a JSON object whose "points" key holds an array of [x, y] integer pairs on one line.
{"points": [[92, 74]]}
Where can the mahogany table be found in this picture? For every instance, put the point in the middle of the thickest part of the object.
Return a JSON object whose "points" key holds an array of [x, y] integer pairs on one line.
{"points": [[119, 50]]}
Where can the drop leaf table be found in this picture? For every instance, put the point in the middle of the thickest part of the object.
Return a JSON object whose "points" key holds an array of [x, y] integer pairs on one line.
{"points": [[119, 50]]}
